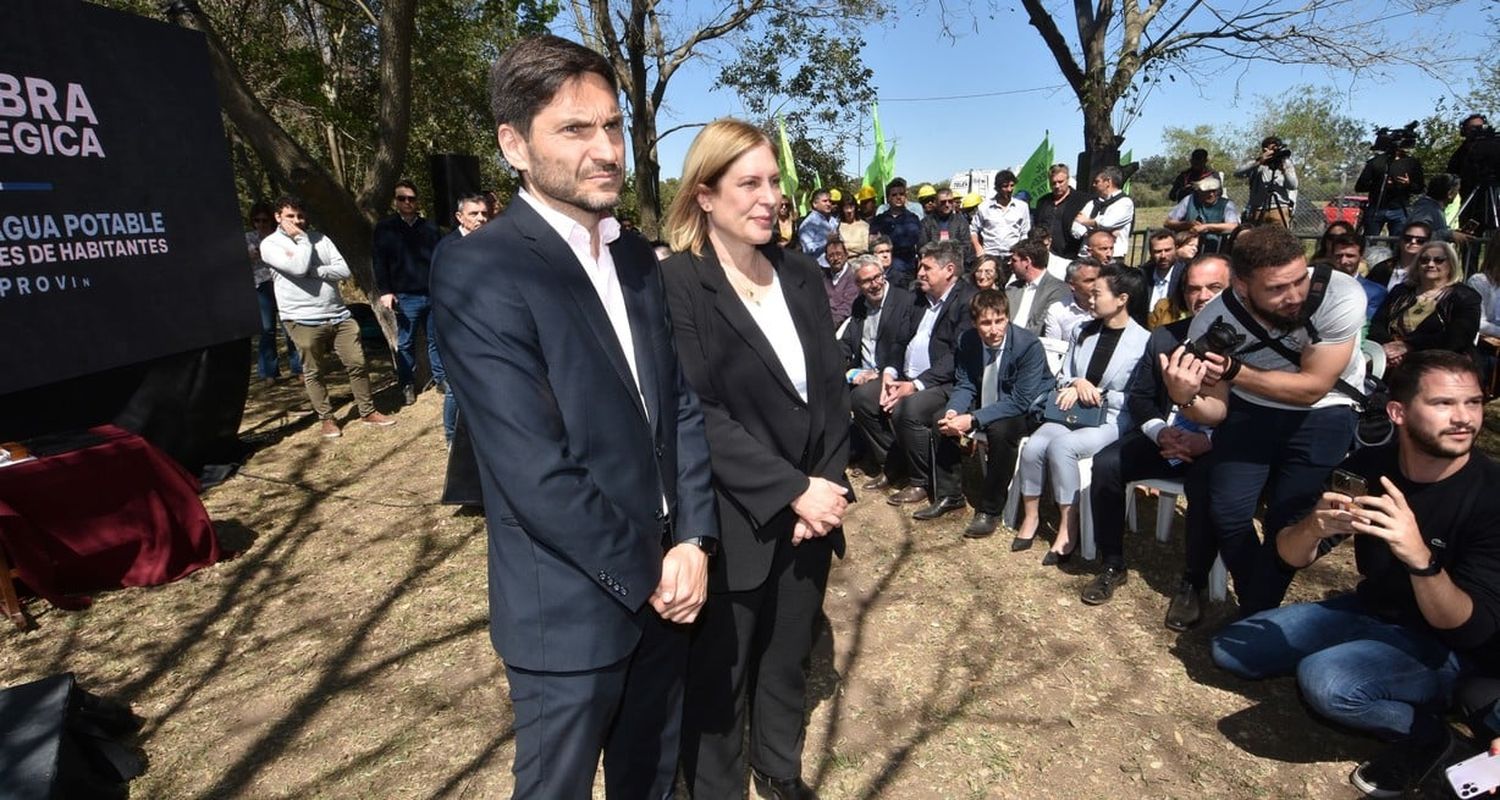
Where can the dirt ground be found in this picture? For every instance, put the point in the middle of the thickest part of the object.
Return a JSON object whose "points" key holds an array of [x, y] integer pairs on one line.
{"points": [[344, 653]]}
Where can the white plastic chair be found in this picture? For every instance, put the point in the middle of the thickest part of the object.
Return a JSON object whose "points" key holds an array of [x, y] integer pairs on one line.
{"points": [[1166, 509], [1376, 353]]}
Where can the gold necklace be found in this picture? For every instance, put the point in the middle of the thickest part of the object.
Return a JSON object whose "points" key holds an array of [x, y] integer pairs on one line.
{"points": [[746, 286]]}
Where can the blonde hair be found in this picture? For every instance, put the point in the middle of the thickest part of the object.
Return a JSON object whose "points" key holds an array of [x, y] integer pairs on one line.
{"points": [[1455, 270], [716, 147]]}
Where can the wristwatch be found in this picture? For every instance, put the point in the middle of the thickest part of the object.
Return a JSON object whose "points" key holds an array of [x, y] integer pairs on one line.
{"points": [[1433, 567], [708, 545]]}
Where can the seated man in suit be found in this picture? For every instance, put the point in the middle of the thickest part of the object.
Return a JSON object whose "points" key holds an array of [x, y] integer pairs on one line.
{"points": [[1157, 447], [1033, 290], [999, 370], [916, 380], [1161, 273], [871, 337]]}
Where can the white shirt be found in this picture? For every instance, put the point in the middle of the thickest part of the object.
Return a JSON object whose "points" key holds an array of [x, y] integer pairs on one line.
{"points": [[918, 359], [870, 333], [774, 319], [601, 272], [1159, 285], [1001, 227], [1063, 321], [1057, 266], [1117, 219], [1028, 296]]}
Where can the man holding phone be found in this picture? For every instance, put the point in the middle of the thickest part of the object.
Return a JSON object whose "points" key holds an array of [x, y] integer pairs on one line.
{"points": [[1384, 658]]}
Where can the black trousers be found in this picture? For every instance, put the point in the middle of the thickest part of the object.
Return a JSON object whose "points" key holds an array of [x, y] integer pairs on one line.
{"points": [[1134, 457], [914, 419], [749, 665], [873, 425], [1003, 440], [632, 710]]}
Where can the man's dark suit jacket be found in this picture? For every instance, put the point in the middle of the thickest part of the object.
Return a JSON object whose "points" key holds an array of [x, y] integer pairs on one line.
{"points": [[763, 440], [1140, 307], [889, 346], [573, 472], [1049, 290], [952, 321], [1146, 393], [1024, 376]]}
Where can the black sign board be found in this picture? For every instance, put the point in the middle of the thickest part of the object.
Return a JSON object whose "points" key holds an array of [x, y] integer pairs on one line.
{"points": [[120, 236]]}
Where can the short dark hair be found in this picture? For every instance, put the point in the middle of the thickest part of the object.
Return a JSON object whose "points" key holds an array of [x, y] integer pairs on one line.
{"points": [[1270, 140], [1265, 246], [1404, 379], [877, 239], [290, 201], [1198, 153], [1417, 223], [1004, 176], [1439, 185], [896, 183], [405, 184], [260, 207], [988, 300], [1163, 233], [1122, 280], [818, 193], [1034, 252], [1472, 117], [530, 72], [944, 252], [1346, 240]]}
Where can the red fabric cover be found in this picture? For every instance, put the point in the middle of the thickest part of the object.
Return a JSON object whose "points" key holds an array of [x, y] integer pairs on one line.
{"points": [[118, 513]]}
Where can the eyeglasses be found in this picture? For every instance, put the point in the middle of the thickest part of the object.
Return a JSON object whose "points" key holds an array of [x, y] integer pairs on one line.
{"points": [[406, 198], [1433, 260], [947, 202], [897, 194], [1414, 239]]}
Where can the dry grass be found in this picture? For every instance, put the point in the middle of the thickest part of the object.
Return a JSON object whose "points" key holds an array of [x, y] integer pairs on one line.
{"points": [[344, 654]]}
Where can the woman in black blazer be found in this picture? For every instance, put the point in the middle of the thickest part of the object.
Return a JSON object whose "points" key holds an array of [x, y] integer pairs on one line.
{"points": [[1431, 310], [757, 344]]}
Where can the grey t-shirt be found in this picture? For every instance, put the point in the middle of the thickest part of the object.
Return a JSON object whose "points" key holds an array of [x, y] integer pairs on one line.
{"points": [[1340, 318]]}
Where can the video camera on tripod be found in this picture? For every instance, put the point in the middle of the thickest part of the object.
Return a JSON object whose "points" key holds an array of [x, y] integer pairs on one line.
{"points": [[1389, 140], [1477, 164]]}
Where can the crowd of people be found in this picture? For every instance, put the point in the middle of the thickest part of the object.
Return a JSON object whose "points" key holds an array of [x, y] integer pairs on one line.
{"points": [[666, 439]]}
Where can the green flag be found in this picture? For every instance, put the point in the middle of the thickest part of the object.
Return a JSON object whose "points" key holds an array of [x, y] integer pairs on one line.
{"points": [[786, 164], [883, 163], [1128, 157], [1033, 177]]}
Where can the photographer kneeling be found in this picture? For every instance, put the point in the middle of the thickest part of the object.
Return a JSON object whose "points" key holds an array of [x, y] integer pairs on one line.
{"points": [[1426, 523]]}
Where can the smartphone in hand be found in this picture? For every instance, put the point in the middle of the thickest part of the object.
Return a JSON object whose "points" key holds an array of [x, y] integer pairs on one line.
{"points": [[1475, 776]]}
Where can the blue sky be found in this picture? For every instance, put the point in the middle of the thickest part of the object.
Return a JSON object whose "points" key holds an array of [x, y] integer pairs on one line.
{"points": [[939, 137]]}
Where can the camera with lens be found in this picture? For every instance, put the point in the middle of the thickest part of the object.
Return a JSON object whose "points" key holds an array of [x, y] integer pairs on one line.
{"points": [[1389, 140], [1221, 338]]}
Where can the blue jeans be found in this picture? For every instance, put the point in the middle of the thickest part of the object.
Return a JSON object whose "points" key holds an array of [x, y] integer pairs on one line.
{"points": [[265, 293], [1352, 667], [450, 414], [1293, 452], [1393, 219], [414, 311]]}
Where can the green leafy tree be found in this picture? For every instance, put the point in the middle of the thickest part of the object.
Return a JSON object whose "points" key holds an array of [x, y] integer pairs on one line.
{"points": [[1219, 141], [1328, 145]]}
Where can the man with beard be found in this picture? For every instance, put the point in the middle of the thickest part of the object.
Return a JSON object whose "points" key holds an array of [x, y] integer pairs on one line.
{"points": [[1281, 398], [1056, 211], [1425, 520], [1000, 224], [1160, 445], [946, 224], [593, 462], [1162, 274]]}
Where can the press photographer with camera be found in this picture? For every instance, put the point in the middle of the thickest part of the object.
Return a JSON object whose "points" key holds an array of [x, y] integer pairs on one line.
{"points": [[1273, 184], [1280, 393], [1391, 178], [1476, 162]]}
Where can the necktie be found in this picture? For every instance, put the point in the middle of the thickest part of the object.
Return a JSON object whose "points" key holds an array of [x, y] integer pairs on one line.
{"points": [[989, 382]]}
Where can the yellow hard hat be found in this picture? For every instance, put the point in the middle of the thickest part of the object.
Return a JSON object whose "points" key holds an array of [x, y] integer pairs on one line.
{"points": [[971, 200], [926, 191], [865, 193], [835, 195]]}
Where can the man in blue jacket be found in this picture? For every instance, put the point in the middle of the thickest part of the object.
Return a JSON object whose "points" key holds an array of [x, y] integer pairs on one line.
{"points": [[999, 370]]}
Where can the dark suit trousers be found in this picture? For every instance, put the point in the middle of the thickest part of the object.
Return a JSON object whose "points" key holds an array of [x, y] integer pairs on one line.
{"points": [[749, 661], [914, 418], [1002, 441], [1134, 457], [875, 428], [632, 710]]}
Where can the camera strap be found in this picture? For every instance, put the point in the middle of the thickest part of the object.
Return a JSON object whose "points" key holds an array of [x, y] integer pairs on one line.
{"points": [[1264, 340]]}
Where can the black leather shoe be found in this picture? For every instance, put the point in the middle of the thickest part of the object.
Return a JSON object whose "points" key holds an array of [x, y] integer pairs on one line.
{"points": [[1056, 559], [941, 507], [1185, 609], [982, 525], [768, 788], [1102, 587], [911, 494], [876, 484], [1018, 544]]}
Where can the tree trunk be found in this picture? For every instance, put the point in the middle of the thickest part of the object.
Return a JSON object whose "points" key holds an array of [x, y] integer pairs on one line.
{"points": [[647, 173], [1101, 148]]}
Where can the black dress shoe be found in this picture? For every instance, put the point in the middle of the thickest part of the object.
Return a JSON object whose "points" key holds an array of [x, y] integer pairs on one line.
{"points": [[911, 494], [941, 507], [982, 525], [1102, 587], [876, 484], [1018, 544], [1056, 559], [1185, 609], [768, 788]]}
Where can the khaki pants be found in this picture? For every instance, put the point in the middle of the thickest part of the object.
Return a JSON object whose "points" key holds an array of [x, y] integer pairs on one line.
{"points": [[315, 342], [1280, 216]]}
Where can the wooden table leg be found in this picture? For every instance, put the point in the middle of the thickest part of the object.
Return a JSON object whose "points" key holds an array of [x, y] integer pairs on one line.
{"points": [[10, 603]]}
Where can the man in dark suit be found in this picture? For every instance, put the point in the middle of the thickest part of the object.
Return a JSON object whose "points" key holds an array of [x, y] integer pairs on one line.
{"points": [[914, 385], [593, 462], [1034, 289], [1156, 449], [1161, 275], [470, 212], [871, 337], [999, 370]]}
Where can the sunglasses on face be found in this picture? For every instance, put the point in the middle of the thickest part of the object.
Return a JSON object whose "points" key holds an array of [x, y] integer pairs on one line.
{"points": [[1414, 239], [1433, 260], [406, 198]]}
